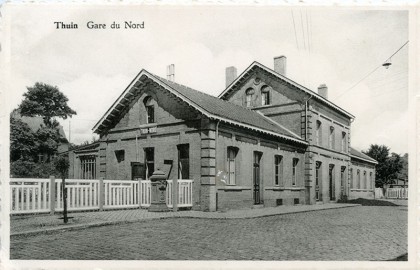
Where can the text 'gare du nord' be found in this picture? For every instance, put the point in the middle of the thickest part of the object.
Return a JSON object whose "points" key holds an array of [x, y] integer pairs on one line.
{"points": [[266, 140]]}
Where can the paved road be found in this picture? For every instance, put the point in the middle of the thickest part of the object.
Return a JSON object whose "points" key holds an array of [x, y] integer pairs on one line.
{"points": [[356, 233]]}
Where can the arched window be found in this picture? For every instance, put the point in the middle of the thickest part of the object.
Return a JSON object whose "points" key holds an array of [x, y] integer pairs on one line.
{"points": [[343, 142], [365, 184], [248, 98], [331, 138], [318, 133], [358, 179], [265, 95], [150, 109], [372, 183]]}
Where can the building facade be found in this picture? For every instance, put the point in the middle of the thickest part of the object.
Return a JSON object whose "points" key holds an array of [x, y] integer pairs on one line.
{"points": [[265, 141]]}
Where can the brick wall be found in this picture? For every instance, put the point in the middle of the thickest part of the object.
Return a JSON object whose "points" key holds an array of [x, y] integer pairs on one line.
{"points": [[241, 194]]}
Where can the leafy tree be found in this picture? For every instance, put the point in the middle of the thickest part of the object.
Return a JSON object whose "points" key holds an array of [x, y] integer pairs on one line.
{"points": [[22, 140], [389, 165], [48, 140], [403, 174], [27, 144], [46, 101]]}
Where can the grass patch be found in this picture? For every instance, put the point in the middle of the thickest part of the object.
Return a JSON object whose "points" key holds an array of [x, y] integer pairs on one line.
{"points": [[368, 202]]}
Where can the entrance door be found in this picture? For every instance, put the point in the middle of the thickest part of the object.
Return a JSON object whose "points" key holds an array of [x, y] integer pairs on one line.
{"points": [[138, 170], [331, 180], [257, 177]]}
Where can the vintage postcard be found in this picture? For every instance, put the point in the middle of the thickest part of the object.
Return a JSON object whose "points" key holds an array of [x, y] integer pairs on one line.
{"points": [[208, 136]]}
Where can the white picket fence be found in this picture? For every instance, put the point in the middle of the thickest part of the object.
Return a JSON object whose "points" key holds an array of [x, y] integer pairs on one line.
{"points": [[397, 193], [36, 195], [184, 193], [379, 194], [81, 194], [29, 196], [121, 194]]}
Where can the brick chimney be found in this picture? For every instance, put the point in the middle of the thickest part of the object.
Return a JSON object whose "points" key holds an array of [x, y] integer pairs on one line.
{"points": [[231, 74], [170, 73], [280, 64], [323, 91]]}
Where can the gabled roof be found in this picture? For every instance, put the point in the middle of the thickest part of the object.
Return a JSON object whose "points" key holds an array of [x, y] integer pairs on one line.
{"points": [[255, 65], [208, 105], [359, 155]]}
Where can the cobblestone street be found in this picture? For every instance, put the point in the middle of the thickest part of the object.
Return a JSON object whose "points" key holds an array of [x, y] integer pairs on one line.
{"points": [[355, 233]]}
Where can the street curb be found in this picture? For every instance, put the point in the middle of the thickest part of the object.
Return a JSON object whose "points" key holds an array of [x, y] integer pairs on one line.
{"points": [[107, 223]]}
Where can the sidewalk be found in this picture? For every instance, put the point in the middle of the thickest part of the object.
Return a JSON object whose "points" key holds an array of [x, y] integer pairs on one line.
{"points": [[34, 224]]}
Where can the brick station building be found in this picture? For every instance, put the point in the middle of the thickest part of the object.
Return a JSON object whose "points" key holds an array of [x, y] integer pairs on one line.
{"points": [[265, 141]]}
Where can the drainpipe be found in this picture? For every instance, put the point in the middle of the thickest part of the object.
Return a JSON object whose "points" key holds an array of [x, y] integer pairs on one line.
{"points": [[306, 118], [215, 145], [215, 160], [306, 138]]}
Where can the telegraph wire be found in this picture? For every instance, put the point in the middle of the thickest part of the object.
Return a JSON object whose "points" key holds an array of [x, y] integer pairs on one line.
{"points": [[294, 27], [307, 31], [303, 30], [370, 73]]}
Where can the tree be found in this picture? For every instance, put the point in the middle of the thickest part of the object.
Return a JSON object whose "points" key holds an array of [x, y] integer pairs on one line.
{"points": [[22, 141], [62, 166], [403, 174], [46, 101], [389, 165], [48, 140]]}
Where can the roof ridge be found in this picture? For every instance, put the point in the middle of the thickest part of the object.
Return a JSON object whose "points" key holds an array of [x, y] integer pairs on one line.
{"points": [[206, 94]]}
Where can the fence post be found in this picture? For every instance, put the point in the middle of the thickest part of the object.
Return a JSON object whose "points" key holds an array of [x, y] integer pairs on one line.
{"points": [[101, 194], [175, 195], [139, 198], [52, 194]]}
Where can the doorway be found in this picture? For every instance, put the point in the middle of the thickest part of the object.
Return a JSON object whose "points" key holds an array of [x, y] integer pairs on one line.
{"points": [[257, 177], [331, 182]]}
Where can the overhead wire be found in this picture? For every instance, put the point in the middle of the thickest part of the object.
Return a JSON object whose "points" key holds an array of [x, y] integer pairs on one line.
{"points": [[294, 27], [307, 31], [370, 73], [303, 30]]}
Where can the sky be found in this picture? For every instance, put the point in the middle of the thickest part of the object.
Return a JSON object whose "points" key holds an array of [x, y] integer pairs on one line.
{"points": [[338, 47]]}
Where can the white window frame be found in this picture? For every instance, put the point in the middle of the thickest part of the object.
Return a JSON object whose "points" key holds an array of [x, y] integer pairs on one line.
{"points": [[278, 165], [231, 165]]}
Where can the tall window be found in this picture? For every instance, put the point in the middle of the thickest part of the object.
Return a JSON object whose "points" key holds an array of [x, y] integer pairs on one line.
{"points": [[278, 169], [150, 110], [358, 179], [331, 138], [318, 134], [231, 165], [343, 177], [265, 95], [365, 185], [343, 142], [351, 178], [294, 171], [149, 160], [317, 180], [88, 167], [372, 184], [248, 97], [184, 161]]}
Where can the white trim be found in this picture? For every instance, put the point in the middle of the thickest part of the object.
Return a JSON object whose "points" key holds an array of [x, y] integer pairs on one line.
{"points": [[303, 88]]}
